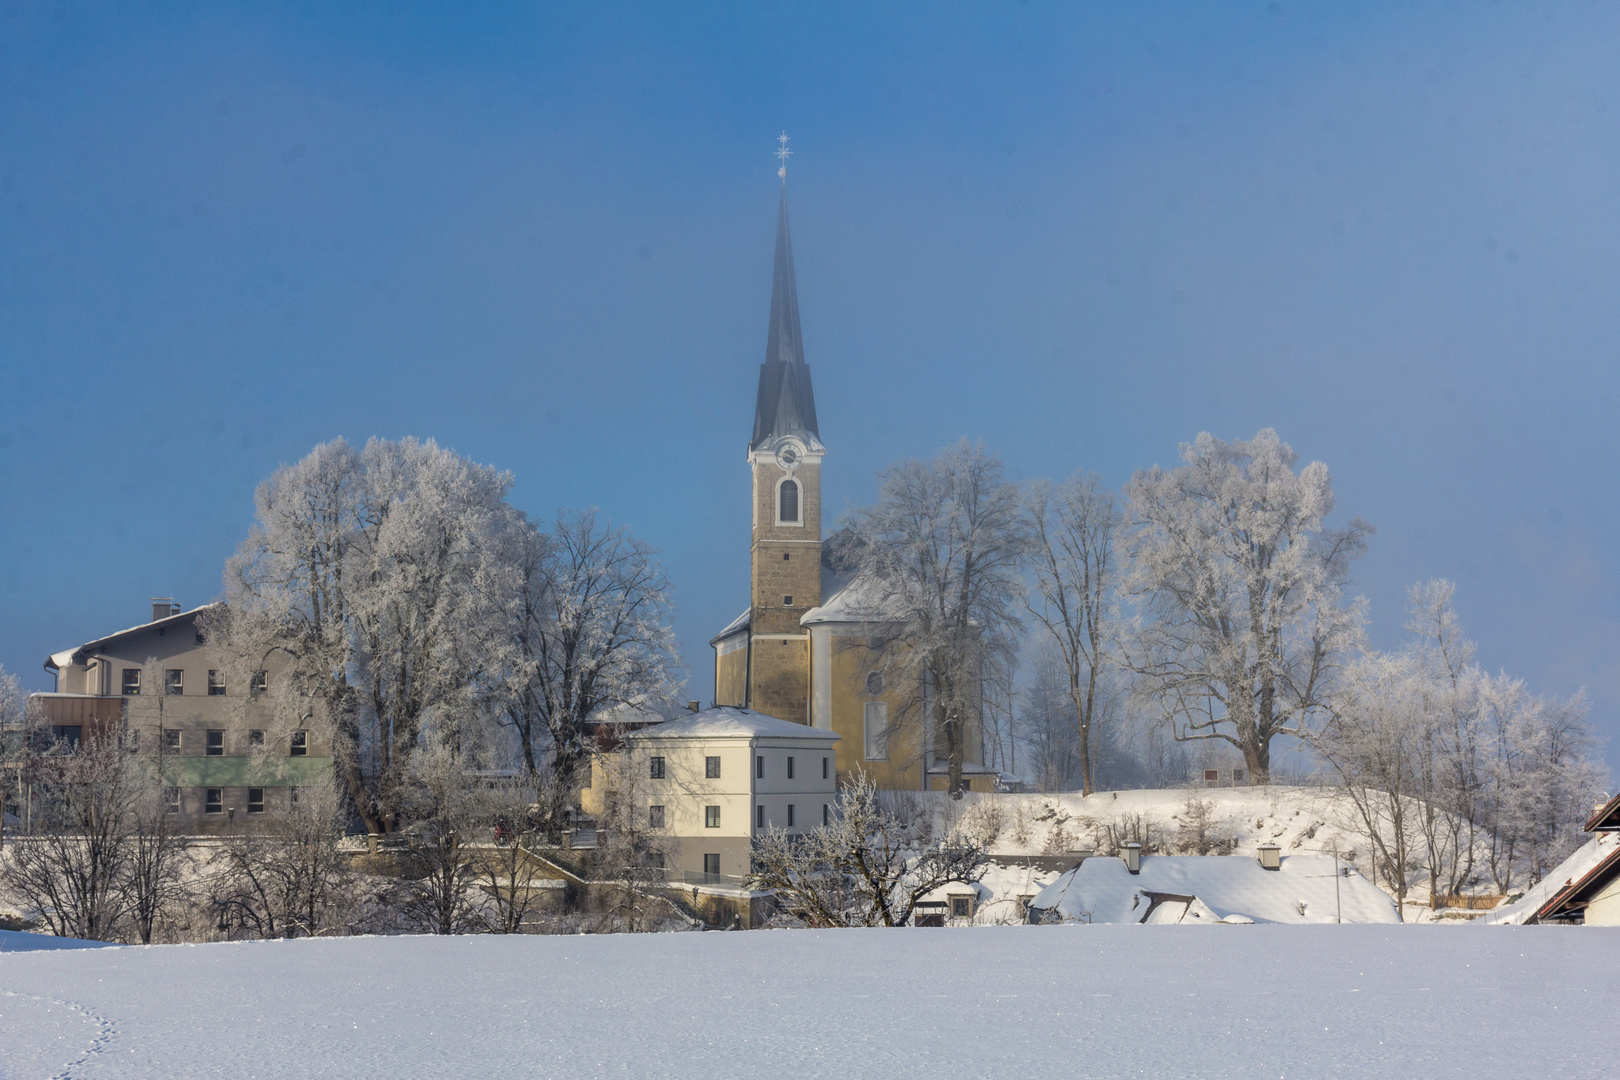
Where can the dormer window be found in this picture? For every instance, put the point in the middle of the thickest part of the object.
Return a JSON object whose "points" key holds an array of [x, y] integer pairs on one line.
{"points": [[787, 502]]}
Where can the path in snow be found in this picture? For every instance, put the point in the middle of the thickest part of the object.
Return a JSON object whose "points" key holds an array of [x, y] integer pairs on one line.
{"points": [[1027, 1002]]}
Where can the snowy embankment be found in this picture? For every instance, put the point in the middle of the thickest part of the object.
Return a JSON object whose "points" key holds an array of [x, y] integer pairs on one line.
{"points": [[1026, 1002], [1299, 820]]}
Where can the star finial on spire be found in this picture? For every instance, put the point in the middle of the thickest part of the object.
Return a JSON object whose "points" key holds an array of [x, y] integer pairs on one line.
{"points": [[783, 153]]}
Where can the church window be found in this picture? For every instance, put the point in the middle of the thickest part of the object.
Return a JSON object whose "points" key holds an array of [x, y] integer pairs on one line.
{"points": [[759, 816], [824, 768], [787, 502], [759, 767], [790, 768], [877, 731], [790, 815], [874, 683]]}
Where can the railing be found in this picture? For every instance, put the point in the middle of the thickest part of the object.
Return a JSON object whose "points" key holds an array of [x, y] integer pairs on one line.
{"points": [[693, 877]]}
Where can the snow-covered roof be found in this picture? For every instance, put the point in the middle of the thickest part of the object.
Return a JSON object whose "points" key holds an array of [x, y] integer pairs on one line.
{"points": [[727, 722], [60, 660], [1582, 862], [1233, 887], [855, 601], [739, 623]]}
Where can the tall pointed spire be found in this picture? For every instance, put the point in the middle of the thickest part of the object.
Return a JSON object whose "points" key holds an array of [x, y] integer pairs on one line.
{"points": [[786, 403]]}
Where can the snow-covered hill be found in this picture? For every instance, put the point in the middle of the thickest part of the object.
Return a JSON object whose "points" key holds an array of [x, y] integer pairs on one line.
{"points": [[1024, 1002]]}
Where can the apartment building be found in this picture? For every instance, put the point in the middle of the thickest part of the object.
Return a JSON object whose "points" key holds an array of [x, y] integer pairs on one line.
{"points": [[165, 692]]}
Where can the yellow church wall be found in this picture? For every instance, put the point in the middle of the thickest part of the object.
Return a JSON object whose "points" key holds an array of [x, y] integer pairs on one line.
{"points": [[731, 671]]}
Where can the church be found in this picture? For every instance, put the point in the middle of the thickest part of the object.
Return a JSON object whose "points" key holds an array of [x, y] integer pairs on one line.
{"points": [[799, 652]]}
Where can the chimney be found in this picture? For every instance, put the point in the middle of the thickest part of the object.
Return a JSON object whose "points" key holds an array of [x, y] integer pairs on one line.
{"points": [[693, 706], [163, 607], [1132, 854], [1270, 857]]}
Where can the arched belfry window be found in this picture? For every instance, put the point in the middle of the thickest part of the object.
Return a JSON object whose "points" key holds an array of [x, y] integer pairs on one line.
{"points": [[787, 501]]}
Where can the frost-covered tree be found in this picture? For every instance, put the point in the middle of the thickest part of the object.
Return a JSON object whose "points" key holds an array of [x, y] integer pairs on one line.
{"points": [[589, 629], [1239, 583], [1376, 743], [13, 743], [1453, 770], [1046, 723], [940, 554], [375, 583], [1073, 525], [288, 879], [867, 867], [73, 866]]}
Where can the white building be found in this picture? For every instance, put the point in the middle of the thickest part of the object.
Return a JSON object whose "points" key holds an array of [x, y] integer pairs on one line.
{"points": [[710, 781]]}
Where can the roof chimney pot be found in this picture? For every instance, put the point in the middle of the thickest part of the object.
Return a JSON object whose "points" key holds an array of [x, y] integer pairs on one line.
{"points": [[163, 607], [1132, 854]]}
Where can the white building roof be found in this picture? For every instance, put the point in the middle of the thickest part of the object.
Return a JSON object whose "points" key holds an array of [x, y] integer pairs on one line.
{"points": [[727, 722], [63, 659], [1580, 863], [1233, 887]]}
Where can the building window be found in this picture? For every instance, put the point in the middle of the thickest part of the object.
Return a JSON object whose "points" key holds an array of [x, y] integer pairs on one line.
{"points": [[174, 682], [790, 767], [961, 907], [216, 683], [826, 814], [171, 799], [255, 738], [216, 743], [655, 768], [787, 502], [171, 739], [132, 740], [787, 601], [877, 731], [260, 682], [711, 817], [132, 681], [292, 796], [786, 556], [874, 683], [215, 802], [711, 863], [790, 815], [69, 735], [255, 800], [824, 768], [711, 768], [655, 817], [300, 744], [759, 768], [759, 816]]}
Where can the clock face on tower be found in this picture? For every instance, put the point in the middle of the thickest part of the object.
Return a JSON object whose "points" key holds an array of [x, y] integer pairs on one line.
{"points": [[788, 456]]}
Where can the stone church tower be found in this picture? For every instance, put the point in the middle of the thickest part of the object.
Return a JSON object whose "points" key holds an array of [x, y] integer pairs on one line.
{"points": [[784, 455], [800, 651]]}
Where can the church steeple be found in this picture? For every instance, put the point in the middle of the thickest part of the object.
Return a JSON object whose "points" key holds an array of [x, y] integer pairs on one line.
{"points": [[786, 404]]}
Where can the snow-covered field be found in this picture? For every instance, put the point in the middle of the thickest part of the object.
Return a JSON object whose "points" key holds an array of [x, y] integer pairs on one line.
{"points": [[1028, 1002]]}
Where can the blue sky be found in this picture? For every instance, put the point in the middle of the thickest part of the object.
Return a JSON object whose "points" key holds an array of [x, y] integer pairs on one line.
{"points": [[542, 235]]}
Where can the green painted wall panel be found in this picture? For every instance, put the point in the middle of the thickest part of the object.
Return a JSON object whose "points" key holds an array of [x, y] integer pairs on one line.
{"points": [[246, 771]]}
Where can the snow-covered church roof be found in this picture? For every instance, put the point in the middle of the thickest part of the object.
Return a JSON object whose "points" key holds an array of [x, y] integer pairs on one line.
{"points": [[1213, 888], [727, 722]]}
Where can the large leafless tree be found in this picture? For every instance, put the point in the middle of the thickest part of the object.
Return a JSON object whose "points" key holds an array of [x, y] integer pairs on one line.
{"points": [[590, 630], [1240, 584], [939, 558], [1073, 526]]}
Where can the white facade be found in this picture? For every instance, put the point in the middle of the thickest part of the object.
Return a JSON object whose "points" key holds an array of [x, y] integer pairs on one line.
{"points": [[725, 774]]}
